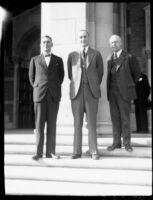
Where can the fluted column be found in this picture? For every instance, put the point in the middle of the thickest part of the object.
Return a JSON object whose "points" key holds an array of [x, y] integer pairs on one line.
{"points": [[102, 22], [148, 55], [16, 61]]}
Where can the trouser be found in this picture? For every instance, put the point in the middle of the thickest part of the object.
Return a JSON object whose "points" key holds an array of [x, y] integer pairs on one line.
{"points": [[84, 102], [46, 111], [141, 117], [120, 116]]}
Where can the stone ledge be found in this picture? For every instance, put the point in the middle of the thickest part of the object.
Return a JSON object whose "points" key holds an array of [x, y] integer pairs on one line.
{"points": [[84, 162], [28, 187], [80, 175]]}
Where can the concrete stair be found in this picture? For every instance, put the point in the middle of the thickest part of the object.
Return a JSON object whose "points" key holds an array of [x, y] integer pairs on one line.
{"points": [[117, 173]]}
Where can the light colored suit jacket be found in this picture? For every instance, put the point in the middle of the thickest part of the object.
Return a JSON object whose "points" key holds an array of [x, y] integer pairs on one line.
{"points": [[94, 72]]}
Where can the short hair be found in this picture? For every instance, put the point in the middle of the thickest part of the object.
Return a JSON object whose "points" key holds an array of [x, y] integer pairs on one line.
{"points": [[117, 36], [47, 36], [85, 31]]}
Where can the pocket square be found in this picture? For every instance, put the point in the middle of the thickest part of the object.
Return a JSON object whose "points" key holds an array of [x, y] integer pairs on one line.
{"points": [[117, 67]]}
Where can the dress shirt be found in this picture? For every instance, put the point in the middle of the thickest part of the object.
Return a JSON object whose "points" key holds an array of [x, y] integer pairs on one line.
{"points": [[118, 53], [47, 58], [85, 49]]}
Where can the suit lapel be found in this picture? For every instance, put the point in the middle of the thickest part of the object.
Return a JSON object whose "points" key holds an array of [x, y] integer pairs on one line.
{"points": [[42, 61], [52, 60], [90, 54], [122, 57]]}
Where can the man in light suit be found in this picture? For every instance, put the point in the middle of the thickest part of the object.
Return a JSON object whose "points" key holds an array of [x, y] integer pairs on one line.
{"points": [[85, 71], [46, 74], [123, 72]]}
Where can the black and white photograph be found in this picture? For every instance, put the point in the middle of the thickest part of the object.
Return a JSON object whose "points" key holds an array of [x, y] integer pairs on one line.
{"points": [[77, 98]]}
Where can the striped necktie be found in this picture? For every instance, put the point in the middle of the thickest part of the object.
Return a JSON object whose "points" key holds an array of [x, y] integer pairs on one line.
{"points": [[84, 53], [115, 55]]}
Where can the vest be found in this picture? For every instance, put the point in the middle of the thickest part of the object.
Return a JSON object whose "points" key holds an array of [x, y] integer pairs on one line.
{"points": [[114, 73], [84, 78]]}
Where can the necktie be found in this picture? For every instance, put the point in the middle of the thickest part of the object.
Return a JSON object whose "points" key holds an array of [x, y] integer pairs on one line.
{"points": [[84, 53], [115, 55]]}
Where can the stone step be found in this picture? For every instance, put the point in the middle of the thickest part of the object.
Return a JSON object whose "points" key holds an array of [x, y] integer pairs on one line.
{"points": [[80, 175], [121, 163], [69, 130], [66, 130], [62, 188], [68, 140], [142, 152], [83, 176]]}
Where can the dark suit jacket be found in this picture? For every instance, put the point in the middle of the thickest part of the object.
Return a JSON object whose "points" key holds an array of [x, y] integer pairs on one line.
{"points": [[94, 72], [129, 74], [142, 89], [42, 77]]}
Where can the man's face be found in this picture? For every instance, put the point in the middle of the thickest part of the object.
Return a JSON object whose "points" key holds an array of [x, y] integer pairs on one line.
{"points": [[115, 43], [83, 38], [46, 44]]}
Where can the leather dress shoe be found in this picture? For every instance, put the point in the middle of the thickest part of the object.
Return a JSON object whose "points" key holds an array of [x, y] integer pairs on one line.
{"points": [[113, 147], [36, 157], [128, 148], [75, 156], [52, 156], [95, 156]]}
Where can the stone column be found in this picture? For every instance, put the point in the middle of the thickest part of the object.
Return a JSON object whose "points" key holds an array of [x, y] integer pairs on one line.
{"points": [[148, 55], [102, 22], [15, 60]]}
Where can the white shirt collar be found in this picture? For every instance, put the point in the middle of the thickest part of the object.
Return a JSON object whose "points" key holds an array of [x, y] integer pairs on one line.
{"points": [[46, 53], [119, 53], [86, 49]]}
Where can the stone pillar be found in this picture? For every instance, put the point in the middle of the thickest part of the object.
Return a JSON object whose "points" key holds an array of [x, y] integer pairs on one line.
{"points": [[62, 21], [148, 55], [15, 60], [102, 22]]}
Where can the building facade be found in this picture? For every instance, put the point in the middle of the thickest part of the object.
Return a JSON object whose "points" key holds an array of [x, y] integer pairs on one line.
{"points": [[62, 21]]}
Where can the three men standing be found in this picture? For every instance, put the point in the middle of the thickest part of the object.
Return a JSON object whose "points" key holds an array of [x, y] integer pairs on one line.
{"points": [[85, 71]]}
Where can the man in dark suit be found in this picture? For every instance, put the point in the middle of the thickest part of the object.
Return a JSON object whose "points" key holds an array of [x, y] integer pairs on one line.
{"points": [[143, 91], [46, 74], [85, 71], [123, 72]]}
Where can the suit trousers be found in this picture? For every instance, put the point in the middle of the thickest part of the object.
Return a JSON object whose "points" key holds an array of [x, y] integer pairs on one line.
{"points": [[84, 102], [120, 116], [141, 117], [46, 112]]}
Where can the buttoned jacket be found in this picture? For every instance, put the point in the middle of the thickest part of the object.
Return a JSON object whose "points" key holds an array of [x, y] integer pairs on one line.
{"points": [[43, 77], [94, 71], [128, 75]]}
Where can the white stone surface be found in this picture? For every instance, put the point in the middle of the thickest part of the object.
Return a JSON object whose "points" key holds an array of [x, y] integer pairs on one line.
{"points": [[81, 175], [31, 187], [128, 163], [62, 10]]}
